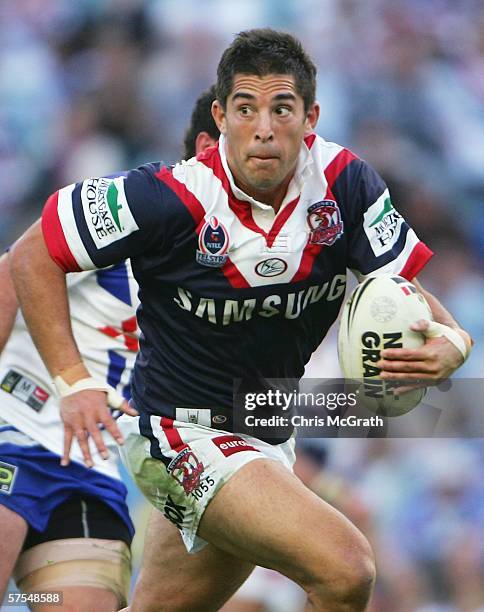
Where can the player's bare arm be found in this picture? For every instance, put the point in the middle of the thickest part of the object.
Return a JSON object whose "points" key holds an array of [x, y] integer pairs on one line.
{"points": [[41, 289], [8, 301], [444, 351]]}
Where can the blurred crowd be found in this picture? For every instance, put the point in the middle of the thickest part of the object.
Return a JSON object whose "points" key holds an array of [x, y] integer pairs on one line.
{"points": [[94, 86]]}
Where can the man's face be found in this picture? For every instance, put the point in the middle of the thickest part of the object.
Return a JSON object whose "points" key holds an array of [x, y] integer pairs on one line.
{"points": [[264, 123]]}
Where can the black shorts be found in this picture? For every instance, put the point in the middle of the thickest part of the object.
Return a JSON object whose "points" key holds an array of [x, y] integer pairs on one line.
{"points": [[80, 517]]}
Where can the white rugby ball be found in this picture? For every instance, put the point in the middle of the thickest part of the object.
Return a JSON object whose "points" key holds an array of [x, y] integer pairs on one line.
{"points": [[378, 315]]}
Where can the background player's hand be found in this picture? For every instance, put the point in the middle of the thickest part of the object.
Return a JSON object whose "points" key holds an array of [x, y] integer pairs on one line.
{"points": [[436, 360], [82, 413]]}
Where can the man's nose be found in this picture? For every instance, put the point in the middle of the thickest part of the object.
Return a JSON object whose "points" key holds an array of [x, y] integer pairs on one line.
{"points": [[264, 130]]}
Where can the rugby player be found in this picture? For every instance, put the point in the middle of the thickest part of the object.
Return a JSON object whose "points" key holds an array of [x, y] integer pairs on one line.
{"points": [[238, 278], [67, 529]]}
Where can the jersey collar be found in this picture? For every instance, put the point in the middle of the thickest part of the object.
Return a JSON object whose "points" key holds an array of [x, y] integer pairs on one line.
{"points": [[303, 171]]}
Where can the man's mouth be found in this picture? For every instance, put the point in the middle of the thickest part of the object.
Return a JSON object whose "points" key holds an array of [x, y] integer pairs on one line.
{"points": [[263, 157]]}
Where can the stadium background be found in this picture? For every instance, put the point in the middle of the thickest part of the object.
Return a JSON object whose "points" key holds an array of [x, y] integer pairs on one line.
{"points": [[94, 86]]}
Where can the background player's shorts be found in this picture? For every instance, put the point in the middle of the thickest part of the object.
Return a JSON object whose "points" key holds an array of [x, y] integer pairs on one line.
{"points": [[35, 486], [179, 467]]}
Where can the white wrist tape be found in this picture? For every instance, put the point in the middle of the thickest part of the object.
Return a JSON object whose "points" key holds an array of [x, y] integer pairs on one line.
{"points": [[114, 399], [437, 330]]}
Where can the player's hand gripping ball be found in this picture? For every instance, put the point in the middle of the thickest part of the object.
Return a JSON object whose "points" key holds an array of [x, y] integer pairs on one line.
{"points": [[376, 316]]}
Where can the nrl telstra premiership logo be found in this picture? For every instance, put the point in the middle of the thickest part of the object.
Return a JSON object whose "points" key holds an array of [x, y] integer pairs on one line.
{"points": [[213, 244]]}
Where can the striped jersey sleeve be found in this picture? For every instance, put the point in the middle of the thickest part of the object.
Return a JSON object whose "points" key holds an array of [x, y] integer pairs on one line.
{"points": [[381, 241], [102, 221]]}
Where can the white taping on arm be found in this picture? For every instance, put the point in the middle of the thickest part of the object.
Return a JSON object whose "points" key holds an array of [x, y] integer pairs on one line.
{"points": [[437, 330], [114, 399]]}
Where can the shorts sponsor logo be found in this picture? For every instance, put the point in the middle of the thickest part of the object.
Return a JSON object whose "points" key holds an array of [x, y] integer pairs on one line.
{"points": [[213, 244], [218, 419], [325, 223], [106, 210], [8, 473], [271, 267], [25, 390], [186, 469], [174, 512], [229, 445], [382, 225]]}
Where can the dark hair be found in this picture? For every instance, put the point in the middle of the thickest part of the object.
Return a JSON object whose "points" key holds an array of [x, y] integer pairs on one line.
{"points": [[265, 51], [201, 121]]}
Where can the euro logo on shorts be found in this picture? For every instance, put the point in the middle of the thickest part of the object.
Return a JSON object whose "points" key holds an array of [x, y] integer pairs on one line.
{"points": [[7, 477]]}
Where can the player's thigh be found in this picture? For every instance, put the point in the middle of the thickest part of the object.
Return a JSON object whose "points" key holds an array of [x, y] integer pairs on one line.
{"points": [[266, 516], [13, 529], [172, 579]]}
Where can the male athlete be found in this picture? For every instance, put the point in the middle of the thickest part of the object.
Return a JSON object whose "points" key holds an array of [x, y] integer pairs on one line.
{"points": [[67, 529], [235, 281]]}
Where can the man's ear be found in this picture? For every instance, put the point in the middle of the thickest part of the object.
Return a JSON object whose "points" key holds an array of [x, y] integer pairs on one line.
{"points": [[203, 141], [312, 117], [218, 114]]}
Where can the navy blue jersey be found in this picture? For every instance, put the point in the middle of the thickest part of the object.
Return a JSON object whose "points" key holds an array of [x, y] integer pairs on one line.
{"points": [[228, 288]]}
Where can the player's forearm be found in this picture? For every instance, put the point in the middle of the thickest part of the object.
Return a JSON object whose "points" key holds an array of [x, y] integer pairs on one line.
{"points": [[41, 291], [441, 314], [8, 301]]}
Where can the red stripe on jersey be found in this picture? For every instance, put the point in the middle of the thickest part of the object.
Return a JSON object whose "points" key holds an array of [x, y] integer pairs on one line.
{"points": [[279, 221], [54, 236], [187, 198], [417, 259], [211, 158], [311, 251], [241, 209], [172, 435], [309, 140], [336, 167], [234, 276]]}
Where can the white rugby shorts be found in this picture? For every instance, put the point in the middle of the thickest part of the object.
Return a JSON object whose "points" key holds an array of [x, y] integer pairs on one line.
{"points": [[181, 466]]}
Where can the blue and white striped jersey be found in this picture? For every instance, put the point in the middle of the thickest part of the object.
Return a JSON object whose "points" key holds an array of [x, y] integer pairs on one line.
{"points": [[102, 305]]}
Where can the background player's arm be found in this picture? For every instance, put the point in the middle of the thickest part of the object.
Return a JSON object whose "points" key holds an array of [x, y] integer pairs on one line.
{"points": [[437, 359], [440, 314], [8, 301], [41, 289]]}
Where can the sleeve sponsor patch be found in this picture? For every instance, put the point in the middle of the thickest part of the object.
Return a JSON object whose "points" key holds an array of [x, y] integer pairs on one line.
{"points": [[106, 210], [382, 224], [24, 389]]}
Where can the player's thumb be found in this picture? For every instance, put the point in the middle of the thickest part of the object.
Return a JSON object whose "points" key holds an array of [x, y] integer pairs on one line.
{"points": [[421, 326], [432, 329], [117, 401]]}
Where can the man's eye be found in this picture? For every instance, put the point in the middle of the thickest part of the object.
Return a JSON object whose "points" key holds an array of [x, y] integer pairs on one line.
{"points": [[245, 110], [283, 111]]}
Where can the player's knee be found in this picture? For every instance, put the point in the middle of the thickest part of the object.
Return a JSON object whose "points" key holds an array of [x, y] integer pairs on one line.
{"points": [[348, 582]]}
